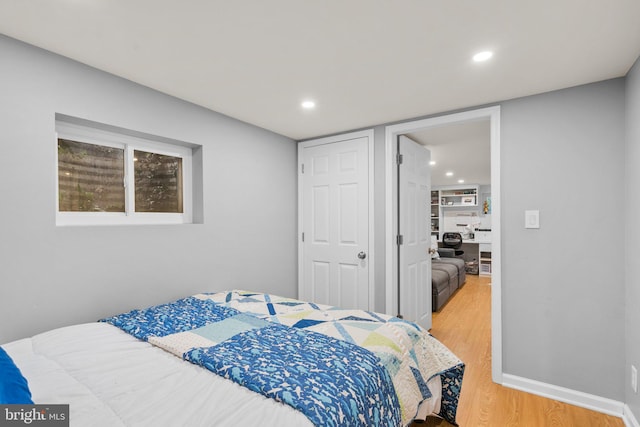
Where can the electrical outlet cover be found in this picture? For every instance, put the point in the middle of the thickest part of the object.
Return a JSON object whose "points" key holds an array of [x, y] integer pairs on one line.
{"points": [[532, 219]]}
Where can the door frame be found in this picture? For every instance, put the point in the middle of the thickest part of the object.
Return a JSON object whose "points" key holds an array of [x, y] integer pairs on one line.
{"points": [[369, 134], [391, 263]]}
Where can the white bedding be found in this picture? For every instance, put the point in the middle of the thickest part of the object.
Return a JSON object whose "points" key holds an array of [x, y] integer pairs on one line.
{"points": [[110, 378]]}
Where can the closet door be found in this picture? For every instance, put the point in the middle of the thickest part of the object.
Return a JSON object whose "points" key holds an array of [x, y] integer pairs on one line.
{"points": [[335, 258]]}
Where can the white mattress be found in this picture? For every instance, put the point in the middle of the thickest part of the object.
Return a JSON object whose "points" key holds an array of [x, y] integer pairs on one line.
{"points": [[110, 378]]}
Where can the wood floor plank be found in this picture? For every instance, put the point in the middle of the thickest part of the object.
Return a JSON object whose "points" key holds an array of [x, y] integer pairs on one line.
{"points": [[464, 325]]}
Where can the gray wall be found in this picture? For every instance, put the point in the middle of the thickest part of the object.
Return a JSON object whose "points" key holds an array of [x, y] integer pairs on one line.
{"points": [[563, 284], [52, 276], [633, 235]]}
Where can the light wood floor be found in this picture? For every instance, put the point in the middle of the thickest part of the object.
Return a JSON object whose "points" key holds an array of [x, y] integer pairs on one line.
{"points": [[464, 325]]}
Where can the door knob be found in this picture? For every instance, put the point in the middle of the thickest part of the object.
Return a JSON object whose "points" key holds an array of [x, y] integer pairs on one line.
{"points": [[362, 255]]}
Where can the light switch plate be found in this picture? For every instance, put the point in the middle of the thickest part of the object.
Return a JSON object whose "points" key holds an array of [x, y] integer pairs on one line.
{"points": [[532, 219]]}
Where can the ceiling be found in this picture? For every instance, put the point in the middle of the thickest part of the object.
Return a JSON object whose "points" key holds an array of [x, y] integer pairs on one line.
{"points": [[364, 62], [461, 148]]}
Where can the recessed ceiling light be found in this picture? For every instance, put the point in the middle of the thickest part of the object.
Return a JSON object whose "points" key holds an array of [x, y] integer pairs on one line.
{"points": [[308, 104], [482, 56], [461, 181], [432, 162], [449, 174]]}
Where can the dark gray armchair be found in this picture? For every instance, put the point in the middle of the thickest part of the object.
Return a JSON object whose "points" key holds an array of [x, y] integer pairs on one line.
{"points": [[454, 241]]}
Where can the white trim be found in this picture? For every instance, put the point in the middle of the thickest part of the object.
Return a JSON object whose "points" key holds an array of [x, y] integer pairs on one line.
{"points": [[390, 223], [72, 219], [566, 395], [369, 134], [629, 418], [496, 249], [493, 113], [129, 181]]}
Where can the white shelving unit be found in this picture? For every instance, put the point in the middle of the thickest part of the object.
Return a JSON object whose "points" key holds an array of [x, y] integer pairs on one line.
{"points": [[435, 213], [457, 196], [454, 196], [485, 259]]}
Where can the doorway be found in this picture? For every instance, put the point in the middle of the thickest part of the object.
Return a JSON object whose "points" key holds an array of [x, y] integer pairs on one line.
{"points": [[391, 215]]}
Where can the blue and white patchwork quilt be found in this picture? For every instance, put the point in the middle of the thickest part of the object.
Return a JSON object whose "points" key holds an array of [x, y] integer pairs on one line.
{"points": [[338, 367]]}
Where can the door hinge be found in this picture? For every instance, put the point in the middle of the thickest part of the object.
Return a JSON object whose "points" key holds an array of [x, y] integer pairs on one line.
{"points": [[302, 168], [399, 158], [399, 239], [303, 236]]}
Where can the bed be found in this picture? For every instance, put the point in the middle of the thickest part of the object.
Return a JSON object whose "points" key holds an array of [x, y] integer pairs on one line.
{"points": [[238, 358]]}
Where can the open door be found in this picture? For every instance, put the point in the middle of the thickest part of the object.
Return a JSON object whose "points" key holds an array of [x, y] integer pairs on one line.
{"points": [[414, 232]]}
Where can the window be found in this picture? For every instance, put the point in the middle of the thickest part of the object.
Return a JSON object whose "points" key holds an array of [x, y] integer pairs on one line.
{"points": [[158, 182], [108, 177]]}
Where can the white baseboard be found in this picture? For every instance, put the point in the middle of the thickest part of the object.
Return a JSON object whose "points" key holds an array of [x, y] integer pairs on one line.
{"points": [[628, 418], [566, 395]]}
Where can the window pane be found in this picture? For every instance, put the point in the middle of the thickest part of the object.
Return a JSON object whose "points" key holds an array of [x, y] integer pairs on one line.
{"points": [[158, 182], [90, 177]]}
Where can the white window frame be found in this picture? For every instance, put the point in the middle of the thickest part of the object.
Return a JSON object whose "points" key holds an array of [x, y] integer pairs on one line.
{"points": [[90, 135]]}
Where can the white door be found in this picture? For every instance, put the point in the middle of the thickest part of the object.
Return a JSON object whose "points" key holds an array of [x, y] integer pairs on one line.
{"points": [[335, 258], [414, 198]]}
